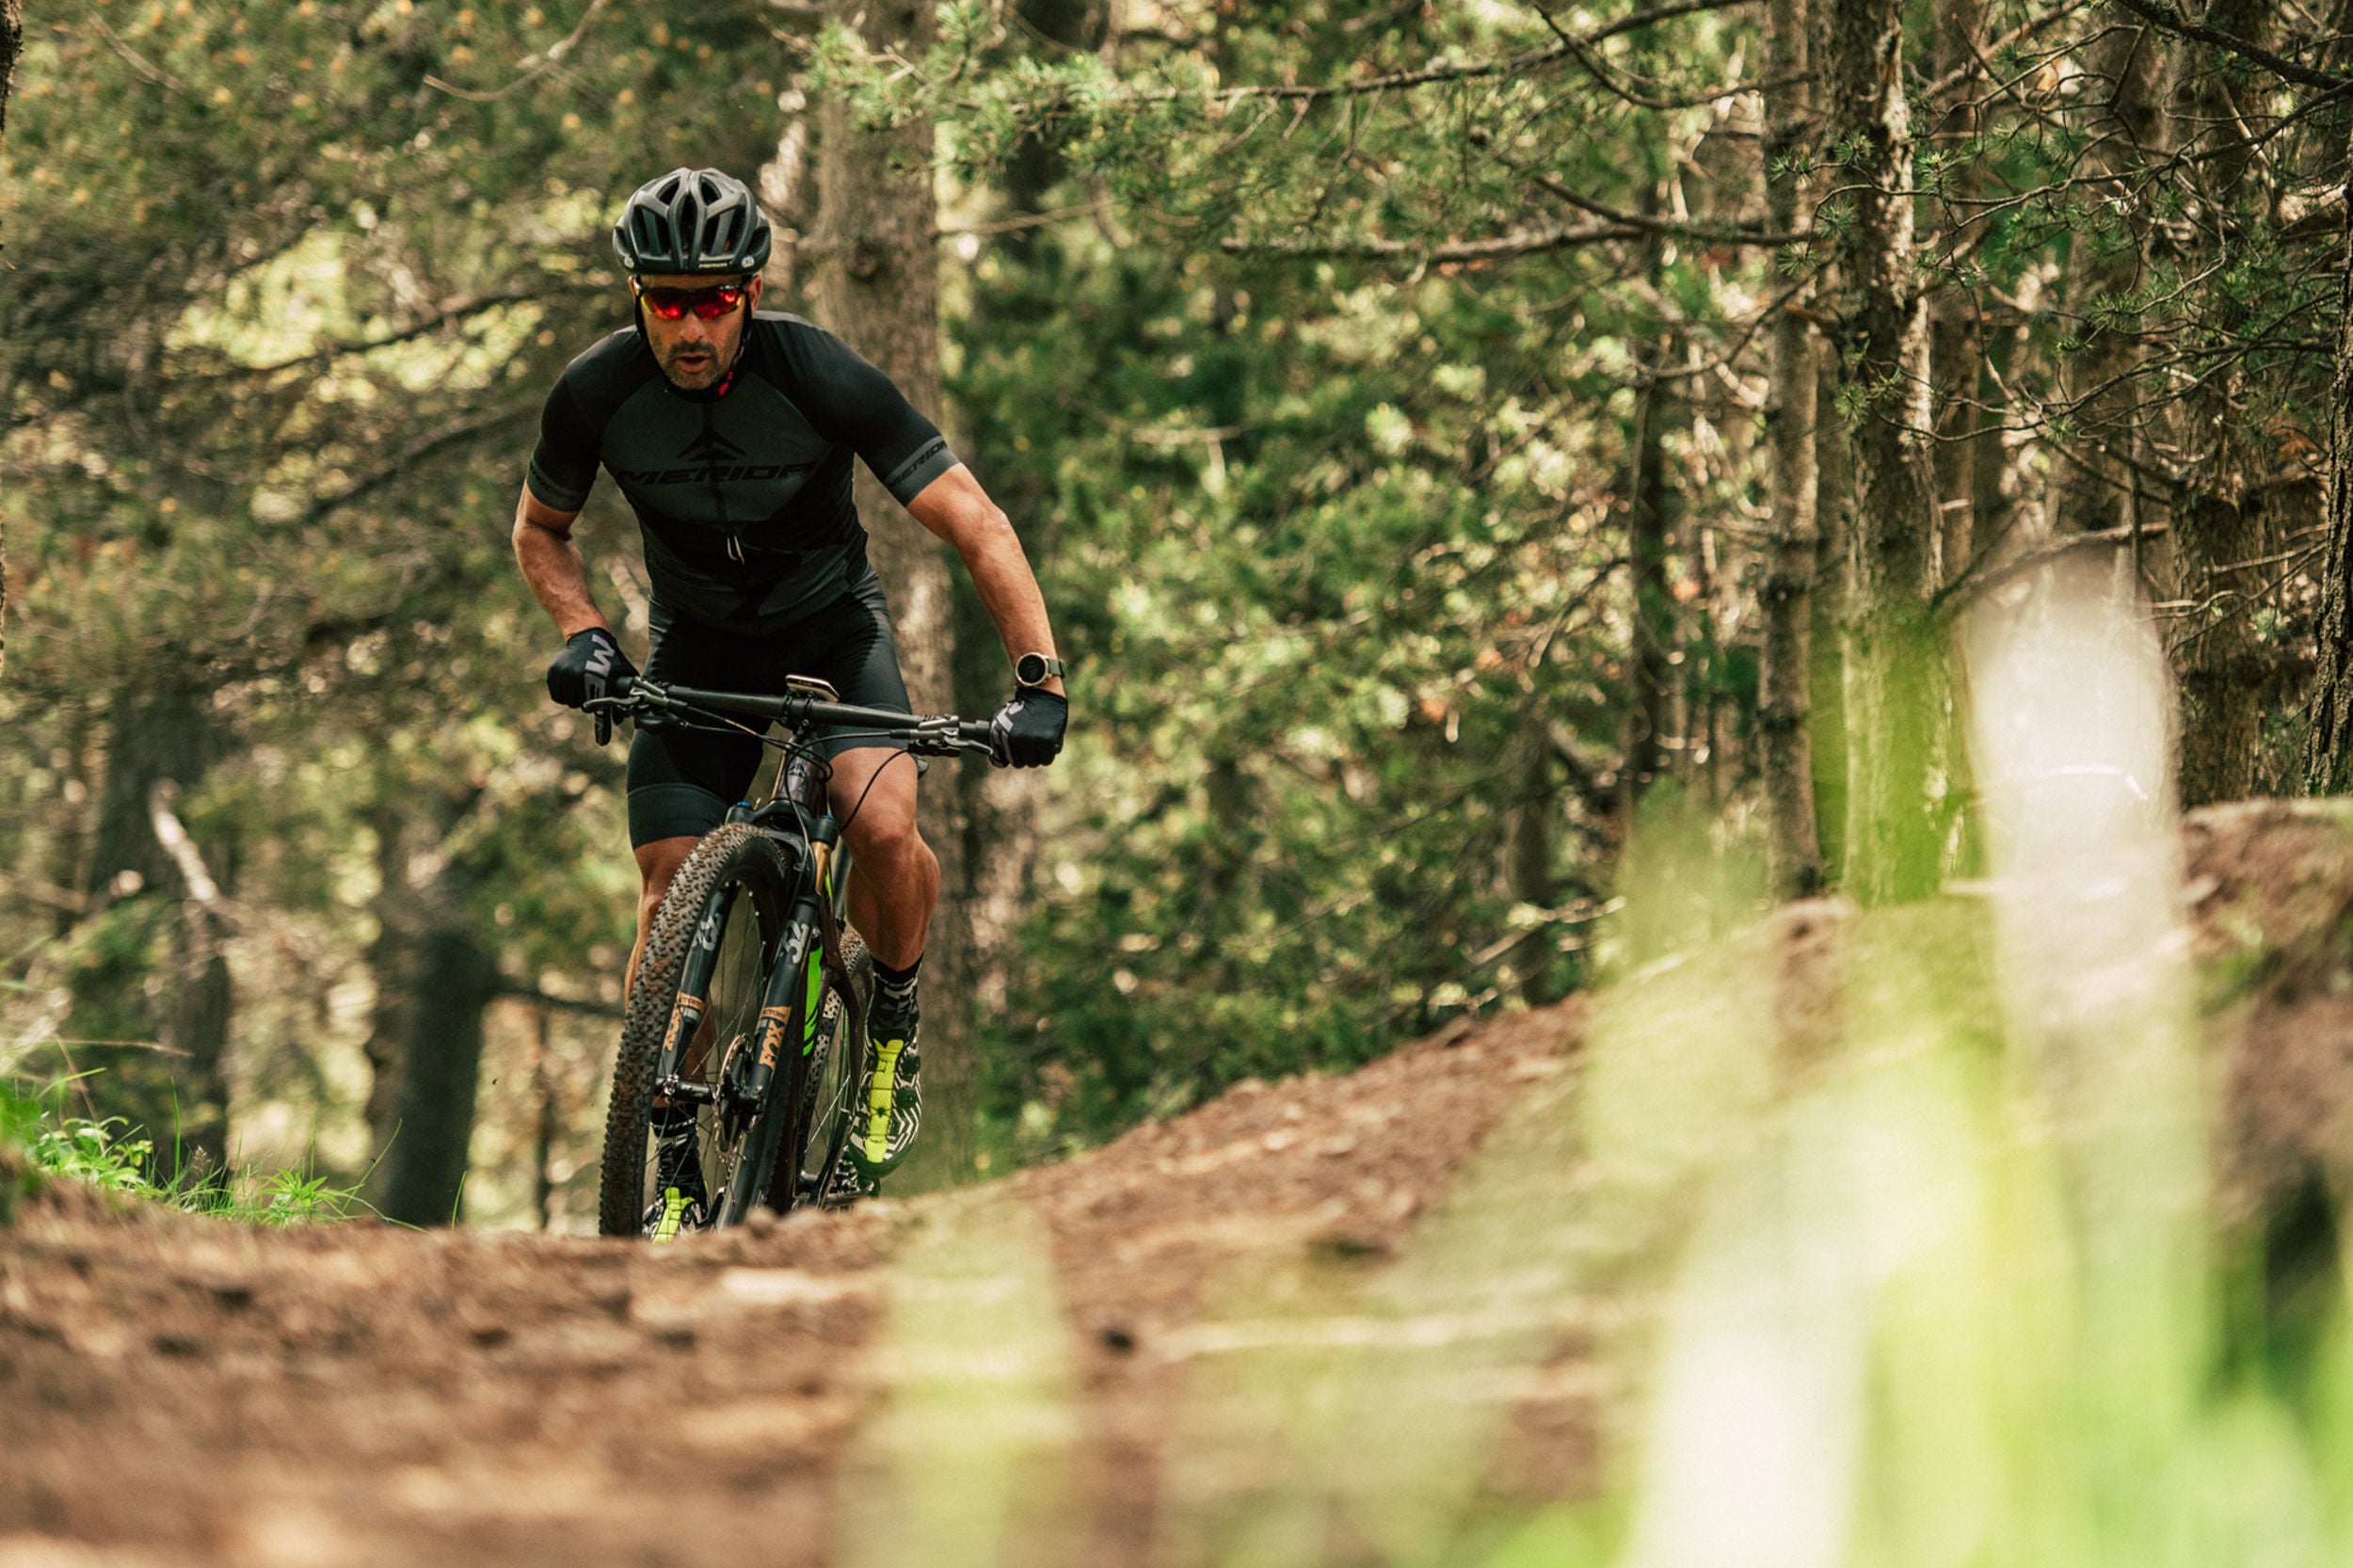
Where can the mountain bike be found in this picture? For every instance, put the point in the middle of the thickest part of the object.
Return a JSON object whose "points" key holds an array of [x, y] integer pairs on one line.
{"points": [[749, 1007]]}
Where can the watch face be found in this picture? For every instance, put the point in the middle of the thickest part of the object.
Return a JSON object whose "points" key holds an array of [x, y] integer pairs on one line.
{"points": [[1029, 669]]}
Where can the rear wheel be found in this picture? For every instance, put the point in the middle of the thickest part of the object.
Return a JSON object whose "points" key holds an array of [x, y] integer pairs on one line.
{"points": [[701, 979]]}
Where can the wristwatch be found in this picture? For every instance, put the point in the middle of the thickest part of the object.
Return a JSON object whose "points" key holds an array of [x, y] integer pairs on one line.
{"points": [[1035, 669]]}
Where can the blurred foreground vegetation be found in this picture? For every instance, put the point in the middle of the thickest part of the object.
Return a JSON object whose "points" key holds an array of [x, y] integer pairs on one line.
{"points": [[1844, 1241]]}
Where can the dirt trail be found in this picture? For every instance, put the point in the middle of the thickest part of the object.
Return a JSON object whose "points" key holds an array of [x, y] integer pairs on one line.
{"points": [[1355, 1319], [177, 1389]]}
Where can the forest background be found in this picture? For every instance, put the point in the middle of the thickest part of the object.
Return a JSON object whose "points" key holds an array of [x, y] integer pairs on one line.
{"points": [[1474, 451]]}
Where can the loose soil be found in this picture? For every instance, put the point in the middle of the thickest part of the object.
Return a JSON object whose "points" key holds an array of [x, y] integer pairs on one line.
{"points": [[180, 1389]]}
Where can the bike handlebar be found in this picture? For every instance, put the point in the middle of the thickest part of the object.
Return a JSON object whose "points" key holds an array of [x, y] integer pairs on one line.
{"points": [[938, 735]]}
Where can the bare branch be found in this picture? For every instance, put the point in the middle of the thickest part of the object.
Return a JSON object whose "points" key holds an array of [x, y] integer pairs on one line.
{"points": [[176, 843], [797, 18], [549, 998], [456, 309], [1026, 220], [1467, 71], [2171, 21], [1520, 242], [1982, 64], [1985, 576], [449, 435], [73, 903], [530, 66], [152, 75], [1709, 234], [1593, 68]]}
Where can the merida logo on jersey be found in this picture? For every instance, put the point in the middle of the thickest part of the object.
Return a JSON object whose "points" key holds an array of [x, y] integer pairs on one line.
{"points": [[710, 455]]}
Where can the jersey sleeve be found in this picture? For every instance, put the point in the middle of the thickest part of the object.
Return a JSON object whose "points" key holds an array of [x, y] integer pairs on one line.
{"points": [[852, 403], [564, 464]]}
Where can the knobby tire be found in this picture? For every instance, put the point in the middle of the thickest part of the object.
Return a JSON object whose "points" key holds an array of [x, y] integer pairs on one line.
{"points": [[732, 859]]}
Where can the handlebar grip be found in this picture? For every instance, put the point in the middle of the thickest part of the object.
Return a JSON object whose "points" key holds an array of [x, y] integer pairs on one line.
{"points": [[982, 735], [618, 689]]}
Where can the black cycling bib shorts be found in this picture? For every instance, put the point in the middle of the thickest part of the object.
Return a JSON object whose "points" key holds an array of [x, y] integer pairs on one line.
{"points": [[755, 549]]}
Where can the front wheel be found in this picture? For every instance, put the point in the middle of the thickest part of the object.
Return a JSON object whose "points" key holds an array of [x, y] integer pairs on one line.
{"points": [[829, 1090], [685, 1039]]}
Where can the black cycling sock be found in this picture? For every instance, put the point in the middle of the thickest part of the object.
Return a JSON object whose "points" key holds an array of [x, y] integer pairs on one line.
{"points": [[895, 995]]}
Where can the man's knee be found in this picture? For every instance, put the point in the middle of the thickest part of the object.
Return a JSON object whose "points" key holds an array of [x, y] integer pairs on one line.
{"points": [[886, 838]]}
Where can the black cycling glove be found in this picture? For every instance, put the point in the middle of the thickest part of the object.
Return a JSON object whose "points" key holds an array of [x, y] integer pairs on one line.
{"points": [[1027, 731], [592, 666]]}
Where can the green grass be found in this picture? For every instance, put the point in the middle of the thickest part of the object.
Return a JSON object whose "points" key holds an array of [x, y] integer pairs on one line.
{"points": [[110, 1155]]}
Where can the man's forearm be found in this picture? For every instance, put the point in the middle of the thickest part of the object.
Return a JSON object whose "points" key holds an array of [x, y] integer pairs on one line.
{"points": [[955, 507], [1008, 589], [551, 565]]}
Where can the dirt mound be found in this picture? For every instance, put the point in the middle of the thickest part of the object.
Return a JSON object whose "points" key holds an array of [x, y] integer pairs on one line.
{"points": [[2270, 888], [357, 1393]]}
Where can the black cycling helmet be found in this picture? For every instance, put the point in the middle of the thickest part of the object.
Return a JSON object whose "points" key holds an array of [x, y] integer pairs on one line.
{"points": [[693, 220]]}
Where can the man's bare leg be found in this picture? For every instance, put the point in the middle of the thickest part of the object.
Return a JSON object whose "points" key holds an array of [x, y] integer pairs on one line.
{"points": [[658, 863], [894, 877], [894, 883]]}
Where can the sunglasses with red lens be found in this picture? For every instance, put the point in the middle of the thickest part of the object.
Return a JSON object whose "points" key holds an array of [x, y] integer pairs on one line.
{"points": [[709, 304]]}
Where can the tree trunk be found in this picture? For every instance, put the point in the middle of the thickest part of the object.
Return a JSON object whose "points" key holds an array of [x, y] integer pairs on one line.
{"points": [[1652, 719], [1826, 667], [2094, 481], [158, 727], [1528, 851], [1004, 805], [12, 44], [1966, 439], [2220, 520], [197, 1006], [1896, 687], [2329, 754], [455, 980], [160, 737], [547, 1118], [875, 278], [1785, 665], [433, 981]]}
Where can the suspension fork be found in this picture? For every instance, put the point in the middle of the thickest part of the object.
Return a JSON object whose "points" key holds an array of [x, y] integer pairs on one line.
{"points": [[790, 1006], [692, 1002]]}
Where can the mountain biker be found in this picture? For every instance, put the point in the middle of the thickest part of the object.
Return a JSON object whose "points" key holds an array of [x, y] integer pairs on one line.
{"points": [[731, 431]]}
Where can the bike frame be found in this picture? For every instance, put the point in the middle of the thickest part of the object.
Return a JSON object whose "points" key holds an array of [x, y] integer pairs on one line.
{"points": [[805, 952]]}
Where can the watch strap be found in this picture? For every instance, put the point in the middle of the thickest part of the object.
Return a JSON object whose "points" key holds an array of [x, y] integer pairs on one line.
{"points": [[1053, 668]]}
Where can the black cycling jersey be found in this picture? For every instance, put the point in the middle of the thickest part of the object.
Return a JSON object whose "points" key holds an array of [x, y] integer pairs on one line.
{"points": [[744, 495]]}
